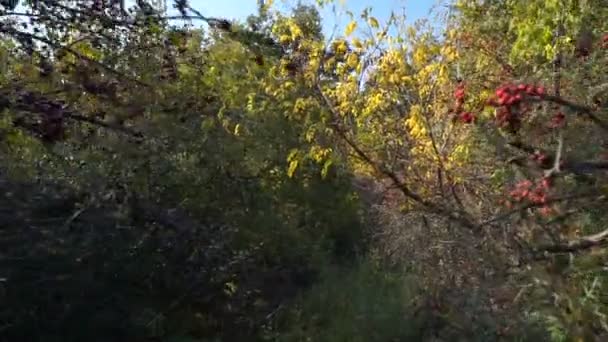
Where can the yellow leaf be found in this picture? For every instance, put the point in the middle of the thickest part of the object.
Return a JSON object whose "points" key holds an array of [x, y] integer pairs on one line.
{"points": [[293, 165], [357, 43], [237, 129], [352, 60], [374, 22], [292, 154], [350, 28]]}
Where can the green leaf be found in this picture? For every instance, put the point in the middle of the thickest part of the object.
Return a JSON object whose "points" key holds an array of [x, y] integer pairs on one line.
{"points": [[326, 167]]}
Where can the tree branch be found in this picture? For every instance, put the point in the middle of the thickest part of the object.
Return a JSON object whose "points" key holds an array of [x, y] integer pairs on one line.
{"points": [[577, 245], [12, 31], [585, 110], [536, 205]]}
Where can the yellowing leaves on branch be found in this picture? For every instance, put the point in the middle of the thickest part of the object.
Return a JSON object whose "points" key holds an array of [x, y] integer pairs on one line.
{"points": [[385, 96]]}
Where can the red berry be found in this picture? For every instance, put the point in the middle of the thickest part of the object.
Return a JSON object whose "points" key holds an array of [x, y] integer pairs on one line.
{"points": [[524, 184], [459, 93], [540, 90], [467, 117], [530, 90]]}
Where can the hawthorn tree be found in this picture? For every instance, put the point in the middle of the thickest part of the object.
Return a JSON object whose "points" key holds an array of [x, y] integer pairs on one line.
{"points": [[479, 131]]}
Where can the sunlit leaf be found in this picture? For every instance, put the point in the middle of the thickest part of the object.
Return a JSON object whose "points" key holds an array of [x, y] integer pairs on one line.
{"points": [[373, 22], [350, 28]]}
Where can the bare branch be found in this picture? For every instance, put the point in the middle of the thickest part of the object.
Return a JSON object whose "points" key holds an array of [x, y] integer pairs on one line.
{"points": [[577, 245], [537, 205], [115, 127], [585, 110], [558, 156]]}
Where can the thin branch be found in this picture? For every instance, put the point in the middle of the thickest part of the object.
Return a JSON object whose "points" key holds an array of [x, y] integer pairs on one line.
{"points": [[536, 205], [558, 156], [577, 245], [29, 105], [557, 67], [18, 14], [585, 110], [14, 32], [573, 166], [114, 127]]}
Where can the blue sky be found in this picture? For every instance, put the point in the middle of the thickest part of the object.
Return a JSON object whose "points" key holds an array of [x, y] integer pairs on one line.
{"points": [[240, 9]]}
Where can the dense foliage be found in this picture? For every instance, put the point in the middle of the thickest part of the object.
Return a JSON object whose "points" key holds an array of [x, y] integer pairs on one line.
{"points": [[231, 181]]}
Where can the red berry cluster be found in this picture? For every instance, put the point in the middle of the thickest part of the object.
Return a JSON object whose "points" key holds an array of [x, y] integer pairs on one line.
{"points": [[459, 95], [526, 191], [605, 41], [509, 99]]}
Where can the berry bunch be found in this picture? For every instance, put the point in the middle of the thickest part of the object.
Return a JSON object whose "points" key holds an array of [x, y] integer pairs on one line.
{"points": [[459, 95], [526, 191], [605, 41], [509, 99]]}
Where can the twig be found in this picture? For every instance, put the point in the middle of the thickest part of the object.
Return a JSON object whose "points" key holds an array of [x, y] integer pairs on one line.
{"points": [[73, 52], [115, 127], [558, 156], [74, 216], [536, 205], [585, 110], [580, 244]]}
